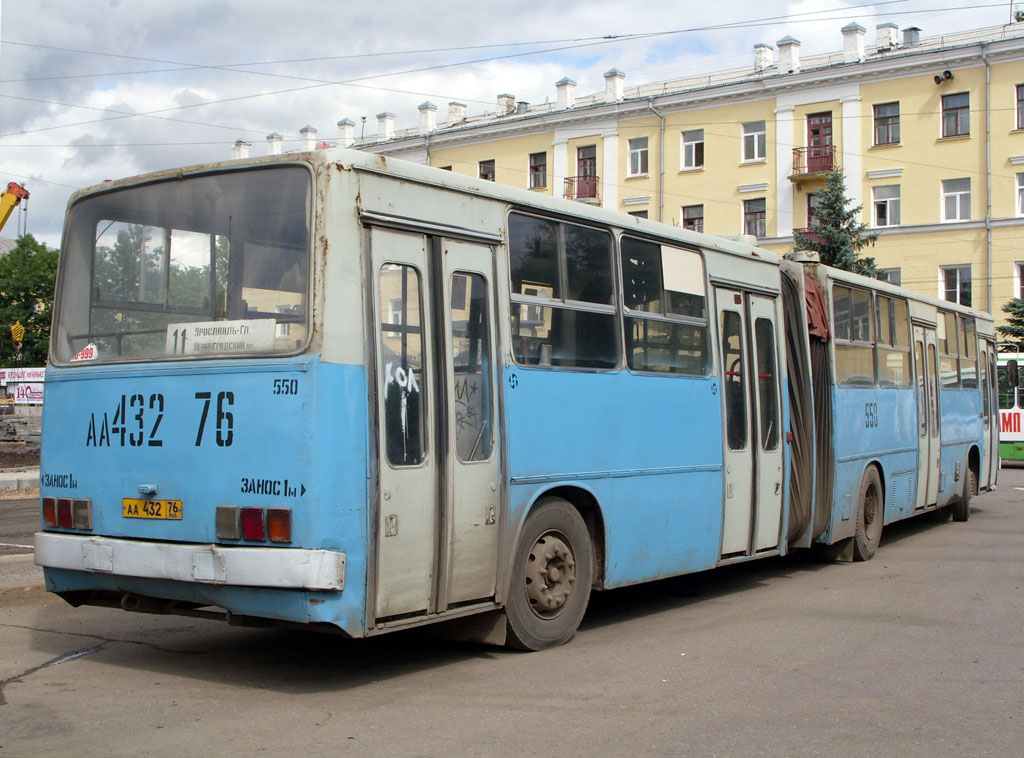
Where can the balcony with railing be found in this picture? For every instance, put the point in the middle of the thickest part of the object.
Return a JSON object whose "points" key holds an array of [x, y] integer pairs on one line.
{"points": [[812, 233], [582, 188], [810, 161]]}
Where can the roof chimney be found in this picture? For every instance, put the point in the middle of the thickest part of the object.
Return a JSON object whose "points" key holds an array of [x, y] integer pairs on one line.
{"points": [[763, 56], [886, 36], [385, 126], [308, 137], [522, 107], [240, 149], [789, 54], [428, 118], [346, 132], [613, 80], [853, 42], [565, 91], [274, 143], [506, 105], [456, 113], [911, 36]]}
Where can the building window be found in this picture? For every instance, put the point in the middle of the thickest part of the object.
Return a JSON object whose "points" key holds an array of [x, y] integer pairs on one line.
{"points": [[1020, 194], [887, 124], [693, 149], [754, 141], [487, 170], [754, 217], [814, 210], [1020, 106], [693, 218], [445, 168], [638, 156], [956, 115], [890, 275], [956, 284], [887, 205], [638, 214], [538, 170], [956, 199], [1018, 280]]}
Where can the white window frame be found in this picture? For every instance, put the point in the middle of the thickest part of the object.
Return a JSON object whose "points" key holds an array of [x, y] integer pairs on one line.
{"points": [[958, 269], [885, 275], [541, 175], [1020, 195], [755, 141], [961, 199], [891, 204], [682, 215], [690, 149], [638, 156], [1018, 279]]}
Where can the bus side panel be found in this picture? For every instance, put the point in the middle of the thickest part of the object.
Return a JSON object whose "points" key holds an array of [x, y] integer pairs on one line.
{"points": [[873, 424], [271, 434], [648, 448], [962, 429]]}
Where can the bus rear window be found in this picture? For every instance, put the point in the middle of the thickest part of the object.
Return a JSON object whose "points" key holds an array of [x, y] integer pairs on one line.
{"points": [[196, 267]]}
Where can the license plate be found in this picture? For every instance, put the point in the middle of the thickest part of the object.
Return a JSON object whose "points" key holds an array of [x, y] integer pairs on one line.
{"points": [[159, 509]]}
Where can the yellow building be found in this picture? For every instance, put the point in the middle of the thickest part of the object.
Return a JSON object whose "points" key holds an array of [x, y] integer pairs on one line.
{"points": [[929, 133]]}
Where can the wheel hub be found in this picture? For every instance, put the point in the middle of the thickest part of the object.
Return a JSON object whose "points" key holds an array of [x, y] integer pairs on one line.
{"points": [[550, 575]]}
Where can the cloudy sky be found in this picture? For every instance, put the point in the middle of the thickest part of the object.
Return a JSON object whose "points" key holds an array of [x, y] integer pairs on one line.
{"points": [[102, 89]]}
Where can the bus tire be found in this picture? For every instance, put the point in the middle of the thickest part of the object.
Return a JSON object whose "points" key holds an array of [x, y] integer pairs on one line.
{"points": [[551, 575], [870, 514], [962, 507]]}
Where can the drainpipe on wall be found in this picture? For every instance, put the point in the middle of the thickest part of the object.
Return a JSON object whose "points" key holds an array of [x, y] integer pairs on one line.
{"points": [[661, 162], [426, 147], [988, 176]]}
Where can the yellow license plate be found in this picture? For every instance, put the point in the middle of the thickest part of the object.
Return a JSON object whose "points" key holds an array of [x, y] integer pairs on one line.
{"points": [[160, 509]]}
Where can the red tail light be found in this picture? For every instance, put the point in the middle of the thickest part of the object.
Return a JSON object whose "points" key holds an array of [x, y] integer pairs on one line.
{"points": [[64, 516], [253, 525]]}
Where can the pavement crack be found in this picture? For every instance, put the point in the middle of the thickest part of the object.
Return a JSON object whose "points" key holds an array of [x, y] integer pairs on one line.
{"points": [[52, 662]]}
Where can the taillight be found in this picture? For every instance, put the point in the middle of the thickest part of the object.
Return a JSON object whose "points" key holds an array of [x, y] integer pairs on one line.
{"points": [[227, 523], [253, 525], [279, 524], [68, 513], [64, 518], [50, 511]]}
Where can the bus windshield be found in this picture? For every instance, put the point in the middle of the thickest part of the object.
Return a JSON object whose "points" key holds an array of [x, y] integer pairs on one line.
{"points": [[202, 266]]}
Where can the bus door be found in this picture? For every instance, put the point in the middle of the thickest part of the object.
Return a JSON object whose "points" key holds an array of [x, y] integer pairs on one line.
{"points": [[926, 371], [990, 406], [439, 464], [748, 348]]}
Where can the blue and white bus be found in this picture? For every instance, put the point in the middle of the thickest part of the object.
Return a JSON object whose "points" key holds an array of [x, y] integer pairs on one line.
{"points": [[346, 392]]}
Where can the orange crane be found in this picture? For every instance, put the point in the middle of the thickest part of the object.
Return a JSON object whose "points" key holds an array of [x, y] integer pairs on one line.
{"points": [[9, 200]]}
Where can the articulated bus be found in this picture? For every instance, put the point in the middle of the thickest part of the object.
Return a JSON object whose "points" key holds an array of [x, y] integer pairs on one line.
{"points": [[1011, 405], [346, 392]]}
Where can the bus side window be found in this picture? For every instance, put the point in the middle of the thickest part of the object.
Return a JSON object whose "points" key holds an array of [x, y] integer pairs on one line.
{"points": [[401, 346], [472, 365], [732, 359]]}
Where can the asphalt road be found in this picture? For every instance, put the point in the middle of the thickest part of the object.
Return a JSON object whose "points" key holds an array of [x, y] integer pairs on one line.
{"points": [[919, 652]]}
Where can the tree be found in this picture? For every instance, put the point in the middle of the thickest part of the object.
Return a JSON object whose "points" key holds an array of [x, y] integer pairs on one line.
{"points": [[840, 236], [1014, 329], [27, 277]]}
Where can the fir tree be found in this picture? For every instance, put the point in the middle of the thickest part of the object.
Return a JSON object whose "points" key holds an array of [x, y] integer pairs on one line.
{"points": [[840, 236], [1014, 329]]}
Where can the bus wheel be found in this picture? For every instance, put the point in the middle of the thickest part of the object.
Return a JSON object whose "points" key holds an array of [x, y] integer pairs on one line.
{"points": [[551, 576], [962, 507], [869, 516]]}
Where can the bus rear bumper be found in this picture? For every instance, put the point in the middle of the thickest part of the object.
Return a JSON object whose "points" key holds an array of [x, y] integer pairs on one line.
{"points": [[283, 568]]}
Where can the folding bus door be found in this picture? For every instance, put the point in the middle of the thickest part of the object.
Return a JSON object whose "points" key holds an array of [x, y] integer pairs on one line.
{"points": [[439, 464], [752, 512], [926, 373]]}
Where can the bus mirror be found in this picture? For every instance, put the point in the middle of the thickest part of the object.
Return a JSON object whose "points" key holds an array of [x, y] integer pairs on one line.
{"points": [[1011, 373]]}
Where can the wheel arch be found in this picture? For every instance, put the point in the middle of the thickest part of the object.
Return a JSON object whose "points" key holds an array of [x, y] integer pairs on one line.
{"points": [[974, 464]]}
